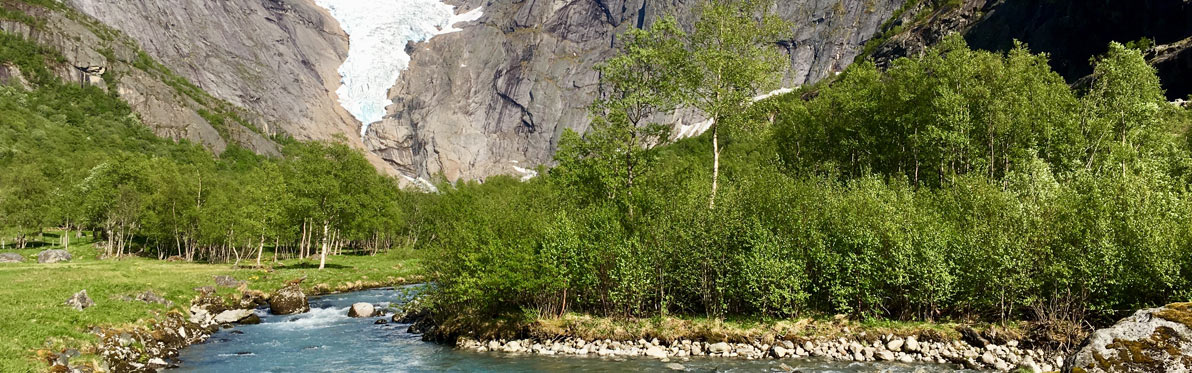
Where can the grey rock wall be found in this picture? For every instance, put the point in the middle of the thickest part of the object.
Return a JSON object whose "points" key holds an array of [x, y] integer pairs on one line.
{"points": [[499, 94]]}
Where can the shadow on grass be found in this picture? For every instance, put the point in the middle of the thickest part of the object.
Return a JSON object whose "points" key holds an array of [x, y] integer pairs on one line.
{"points": [[311, 266]]}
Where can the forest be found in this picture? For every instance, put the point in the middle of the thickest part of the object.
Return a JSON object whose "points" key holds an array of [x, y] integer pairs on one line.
{"points": [[957, 184], [77, 159], [954, 185]]}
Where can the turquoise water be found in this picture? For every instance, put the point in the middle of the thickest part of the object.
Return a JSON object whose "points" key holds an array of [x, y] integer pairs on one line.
{"points": [[326, 340]]}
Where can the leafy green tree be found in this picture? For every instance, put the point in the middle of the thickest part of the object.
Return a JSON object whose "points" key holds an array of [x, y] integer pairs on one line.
{"points": [[1122, 110], [640, 83], [734, 56], [24, 200]]}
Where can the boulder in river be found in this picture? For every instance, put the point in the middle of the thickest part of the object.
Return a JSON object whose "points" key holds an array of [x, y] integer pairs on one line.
{"points": [[231, 316], [288, 300], [53, 256], [1151, 340], [362, 310], [251, 319], [11, 258], [80, 301]]}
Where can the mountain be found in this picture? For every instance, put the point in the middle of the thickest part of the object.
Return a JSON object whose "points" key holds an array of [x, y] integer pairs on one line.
{"points": [[492, 93], [495, 97]]}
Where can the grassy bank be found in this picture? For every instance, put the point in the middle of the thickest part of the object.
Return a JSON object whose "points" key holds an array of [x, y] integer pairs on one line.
{"points": [[34, 319]]}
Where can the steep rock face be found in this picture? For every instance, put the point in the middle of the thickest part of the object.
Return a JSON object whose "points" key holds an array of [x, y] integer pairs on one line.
{"points": [[277, 58], [495, 97], [93, 55]]}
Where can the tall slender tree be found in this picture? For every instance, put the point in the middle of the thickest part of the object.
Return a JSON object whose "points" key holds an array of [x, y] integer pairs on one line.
{"points": [[734, 56]]}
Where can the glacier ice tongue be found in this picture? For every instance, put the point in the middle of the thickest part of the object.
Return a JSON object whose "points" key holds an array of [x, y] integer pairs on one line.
{"points": [[378, 31]]}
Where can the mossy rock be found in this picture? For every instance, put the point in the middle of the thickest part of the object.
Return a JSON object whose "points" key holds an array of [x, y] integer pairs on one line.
{"points": [[1151, 340]]}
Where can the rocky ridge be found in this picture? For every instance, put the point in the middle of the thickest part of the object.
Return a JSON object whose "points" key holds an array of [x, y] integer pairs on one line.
{"points": [[278, 59], [495, 97], [94, 54]]}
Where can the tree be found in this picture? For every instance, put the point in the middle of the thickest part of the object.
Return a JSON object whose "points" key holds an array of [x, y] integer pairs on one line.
{"points": [[24, 201], [734, 57], [641, 82], [1122, 110]]}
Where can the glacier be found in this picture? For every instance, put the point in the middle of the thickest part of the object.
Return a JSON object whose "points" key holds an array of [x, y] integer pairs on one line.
{"points": [[378, 31]]}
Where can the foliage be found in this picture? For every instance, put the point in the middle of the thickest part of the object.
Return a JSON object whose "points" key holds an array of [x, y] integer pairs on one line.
{"points": [[956, 185]]}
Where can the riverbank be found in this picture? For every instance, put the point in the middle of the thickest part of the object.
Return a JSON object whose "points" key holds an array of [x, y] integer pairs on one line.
{"points": [[970, 346], [37, 327]]}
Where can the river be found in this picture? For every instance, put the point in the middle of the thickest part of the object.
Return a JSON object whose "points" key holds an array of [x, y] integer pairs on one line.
{"points": [[326, 340]]}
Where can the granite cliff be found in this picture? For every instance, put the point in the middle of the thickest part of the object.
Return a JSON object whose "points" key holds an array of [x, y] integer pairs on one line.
{"points": [[495, 97]]}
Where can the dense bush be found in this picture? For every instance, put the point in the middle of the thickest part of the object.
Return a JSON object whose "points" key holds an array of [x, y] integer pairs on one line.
{"points": [[957, 184]]}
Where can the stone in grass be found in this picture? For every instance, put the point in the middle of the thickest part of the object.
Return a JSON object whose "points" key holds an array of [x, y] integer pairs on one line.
{"points": [[11, 258], [53, 256], [150, 297], [80, 301], [227, 281]]}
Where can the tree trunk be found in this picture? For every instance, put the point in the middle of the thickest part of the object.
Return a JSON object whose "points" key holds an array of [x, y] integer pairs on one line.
{"points": [[715, 164], [261, 250], [323, 252]]}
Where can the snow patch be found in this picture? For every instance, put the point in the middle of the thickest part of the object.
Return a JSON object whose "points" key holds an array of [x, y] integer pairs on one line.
{"points": [[527, 173], [683, 131], [426, 185], [378, 31]]}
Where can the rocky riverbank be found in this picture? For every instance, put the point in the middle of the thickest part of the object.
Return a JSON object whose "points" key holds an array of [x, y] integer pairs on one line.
{"points": [[887, 348], [157, 344]]}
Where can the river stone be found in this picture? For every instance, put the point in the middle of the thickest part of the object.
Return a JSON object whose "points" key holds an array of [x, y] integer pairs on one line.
{"points": [[675, 366], [656, 352], [231, 316], [11, 258], [885, 355], [80, 301], [53, 256], [1150, 340], [895, 345], [251, 319], [361, 310], [288, 300], [912, 344], [719, 348], [988, 358], [779, 352]]}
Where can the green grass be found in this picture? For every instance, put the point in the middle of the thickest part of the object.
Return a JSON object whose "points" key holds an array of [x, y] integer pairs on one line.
{"points": [[33, 315]]}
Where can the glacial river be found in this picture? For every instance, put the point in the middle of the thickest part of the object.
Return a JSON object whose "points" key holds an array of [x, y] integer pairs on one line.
{"points": [[326, 340]]}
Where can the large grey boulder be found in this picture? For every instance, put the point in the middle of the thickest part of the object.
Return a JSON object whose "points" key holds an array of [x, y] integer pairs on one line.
{"points": [[80, 301], [362, 310], [288, 300], [1151, 340], [11, 258], [53, 256]]}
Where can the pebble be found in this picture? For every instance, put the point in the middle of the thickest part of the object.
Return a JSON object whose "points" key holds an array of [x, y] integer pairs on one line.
{"points": [[905, 350]]}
